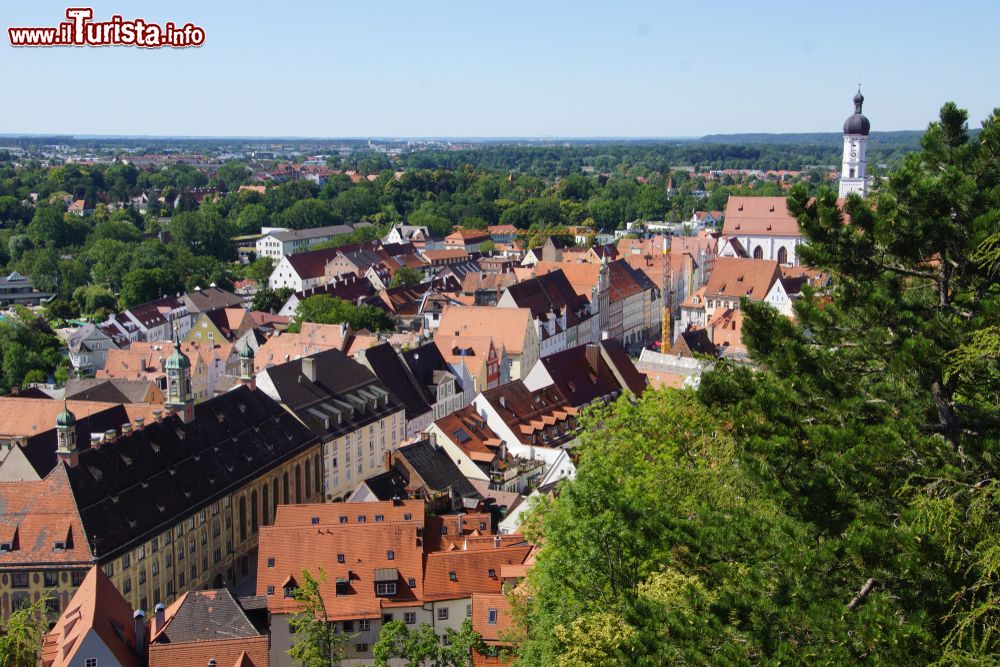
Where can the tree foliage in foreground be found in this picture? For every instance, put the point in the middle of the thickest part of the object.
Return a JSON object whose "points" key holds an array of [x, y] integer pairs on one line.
{"points": [[21, 634], [421, 646], [325, 309], [316, 641], [837, 504]]}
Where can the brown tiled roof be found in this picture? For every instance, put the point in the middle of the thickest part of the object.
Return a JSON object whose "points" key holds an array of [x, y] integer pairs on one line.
{"points": [[759, 216], [471, 570], [507, 326], [246, 652], [467, 235], [34, 515], [473, 351], [449, 253], [735, 277], [528, 413], [96, 606], [26, 417], [296, 543], [470, 433], [482, 604]]}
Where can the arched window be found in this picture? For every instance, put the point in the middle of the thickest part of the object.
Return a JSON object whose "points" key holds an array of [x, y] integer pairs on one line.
{"points": [[253, 512], [782, 255], [298, 483], [265, 506], [243, 518], [316, 475], [274, 498], [758, 252], [308, 480], [284, 486]]}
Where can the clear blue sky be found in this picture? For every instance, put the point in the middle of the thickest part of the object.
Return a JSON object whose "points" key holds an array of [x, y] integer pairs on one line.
{"points": [[510, 68]]}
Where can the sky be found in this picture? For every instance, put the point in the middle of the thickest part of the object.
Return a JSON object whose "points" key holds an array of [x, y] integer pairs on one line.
{"points": [[470, 68]]}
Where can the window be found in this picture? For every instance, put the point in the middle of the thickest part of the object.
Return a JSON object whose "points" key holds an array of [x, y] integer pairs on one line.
{"points": [[410, 617], [491, 573], [270, 590], [407, 516], [155, 567], [340, 558], [385, 589], [411, 582], [491, 617], [361, 648], [348, 626], [468, 611], [51, 579], [270, 562], [78, 576], [127, 585], [386, 618], [91, 662], [453, 576], [390, 555], [142, 577], [364, 625], [782, 255], [19, 580], [379, 518], [126, 561], [443, 614]]}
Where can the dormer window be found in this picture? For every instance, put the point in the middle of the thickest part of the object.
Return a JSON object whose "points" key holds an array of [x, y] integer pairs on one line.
{"points": [[340, 558], [390, 555], [453, 576]]}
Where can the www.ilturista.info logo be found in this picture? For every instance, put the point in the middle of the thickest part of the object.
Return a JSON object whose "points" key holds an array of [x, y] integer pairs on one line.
{"points": [[80, 30]]}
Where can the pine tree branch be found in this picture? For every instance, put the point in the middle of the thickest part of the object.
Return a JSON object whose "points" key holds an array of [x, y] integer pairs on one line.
{"points": [[862, 594]]}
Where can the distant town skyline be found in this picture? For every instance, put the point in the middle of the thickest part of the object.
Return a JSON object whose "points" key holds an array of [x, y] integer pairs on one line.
{"points": [[506, 70]]}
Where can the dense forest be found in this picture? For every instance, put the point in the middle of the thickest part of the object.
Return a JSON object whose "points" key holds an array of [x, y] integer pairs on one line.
{"points": [[837, 502]]}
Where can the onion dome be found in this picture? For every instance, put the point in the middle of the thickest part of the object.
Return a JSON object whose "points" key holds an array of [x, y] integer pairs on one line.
{"points": [[65, 418], [856, 123]]}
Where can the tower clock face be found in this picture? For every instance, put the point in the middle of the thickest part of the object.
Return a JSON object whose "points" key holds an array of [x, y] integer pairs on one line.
{"points": [[854, 153]]}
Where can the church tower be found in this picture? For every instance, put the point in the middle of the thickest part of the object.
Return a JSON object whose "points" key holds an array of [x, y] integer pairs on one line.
{"points": [[178, 370], [66, 436], [247, 376], [853, 172]]}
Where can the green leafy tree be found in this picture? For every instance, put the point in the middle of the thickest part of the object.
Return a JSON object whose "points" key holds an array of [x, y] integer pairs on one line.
{"points": [[421, 645], [406, 276], [316, 641], [21, 634], [325, 309], [233, 174], [142, 285], [259, 270]]}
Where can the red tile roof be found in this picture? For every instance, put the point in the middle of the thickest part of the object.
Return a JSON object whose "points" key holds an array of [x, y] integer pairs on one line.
{"points": [[759, 216], [96, 606]]}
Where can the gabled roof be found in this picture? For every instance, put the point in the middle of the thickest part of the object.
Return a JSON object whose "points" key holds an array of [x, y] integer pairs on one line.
{"points": [[202, 616], [34, 516], [95, 606], [529, 413], [390, 369], [734, 277], [111, 390], [694, 341], [759, 216], [436, 469], [306, 234], [132, 488], [210, 298], [507, 326], [587, 372], [471, 571], [342, 397], [311, 537], [548, 293], [470, 433], [311, 264]]}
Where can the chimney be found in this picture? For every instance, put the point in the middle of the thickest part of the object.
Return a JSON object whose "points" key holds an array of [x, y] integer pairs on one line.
{"points": [[388, 461], [503, 401], [461, 522], [139, 620], [96, 440], [158, 415], [432, 436], [496, 542], [159, 614], [593, 356], [110, 435], [126, 428], [139, 421], [309, 368]]}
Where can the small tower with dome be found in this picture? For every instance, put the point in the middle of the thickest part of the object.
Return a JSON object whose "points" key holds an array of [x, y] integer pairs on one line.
{"points": [[854, 168], [178, 371]]}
